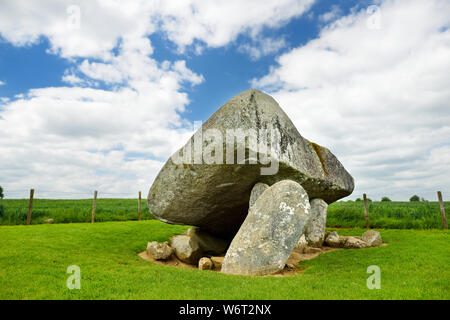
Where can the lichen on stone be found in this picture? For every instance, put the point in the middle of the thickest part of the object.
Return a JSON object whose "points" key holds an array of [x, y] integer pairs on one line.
{"points": [[318, 150]]}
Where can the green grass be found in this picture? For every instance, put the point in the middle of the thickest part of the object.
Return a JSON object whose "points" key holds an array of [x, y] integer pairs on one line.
{"points": [[388, 215], [65, 211], [34, 259]]}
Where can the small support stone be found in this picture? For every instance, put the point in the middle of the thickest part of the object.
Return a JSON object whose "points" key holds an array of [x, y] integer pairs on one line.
{"points": [[315, 231]]}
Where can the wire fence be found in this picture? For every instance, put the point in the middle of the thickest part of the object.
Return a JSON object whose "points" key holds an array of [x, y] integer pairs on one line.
{"points": [[51, 206], [54, 194], [43, 206]]}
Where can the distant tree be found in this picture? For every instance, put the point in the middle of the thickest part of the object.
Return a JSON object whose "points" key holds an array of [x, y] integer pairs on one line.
{"points": [[385, 199], [422, 199], [1, 192], [414, 198], [358, 200]]}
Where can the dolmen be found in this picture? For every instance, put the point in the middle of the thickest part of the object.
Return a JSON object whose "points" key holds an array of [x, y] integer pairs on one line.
{"points": [[248, 178]]}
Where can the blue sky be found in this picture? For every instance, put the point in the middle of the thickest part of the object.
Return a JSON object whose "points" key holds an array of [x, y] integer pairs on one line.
{"points": [[348, 73], [227, 71]]}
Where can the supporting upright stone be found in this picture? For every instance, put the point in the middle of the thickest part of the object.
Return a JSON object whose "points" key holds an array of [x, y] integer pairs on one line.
{"points": [[270, 232], [257, 190], [315, 231]]}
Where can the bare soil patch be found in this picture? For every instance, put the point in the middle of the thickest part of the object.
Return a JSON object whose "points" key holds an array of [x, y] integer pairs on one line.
{"points": [[292, 264]]}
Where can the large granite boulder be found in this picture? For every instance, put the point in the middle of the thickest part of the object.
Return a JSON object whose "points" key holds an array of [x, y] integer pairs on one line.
{"points": [[315, 230], [204, 185], [270, 232]]}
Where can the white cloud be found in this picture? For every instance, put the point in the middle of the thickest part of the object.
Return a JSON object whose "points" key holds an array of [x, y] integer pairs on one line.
{"points": [[80, 138], [331, 15], [2, 83], [217, 23], [103, 22], [379, 98], [70, 76], [262, 47], [83, 138], [72, 79]]}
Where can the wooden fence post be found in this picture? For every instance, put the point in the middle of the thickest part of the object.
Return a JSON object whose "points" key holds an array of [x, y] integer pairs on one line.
{"points": [[30, 207], [441, 205], [366, 212], [139, 206], [94, 206]]}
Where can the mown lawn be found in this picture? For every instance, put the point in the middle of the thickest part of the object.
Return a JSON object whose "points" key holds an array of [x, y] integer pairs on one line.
{"points": [[34, 260]]}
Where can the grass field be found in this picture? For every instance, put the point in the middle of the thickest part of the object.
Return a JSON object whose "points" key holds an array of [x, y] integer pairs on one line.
{"points": [[34, 260], [388, 215]]}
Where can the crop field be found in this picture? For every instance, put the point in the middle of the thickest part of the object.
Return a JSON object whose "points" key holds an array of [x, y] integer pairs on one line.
{"points": [[387, 215], [69, 211]]}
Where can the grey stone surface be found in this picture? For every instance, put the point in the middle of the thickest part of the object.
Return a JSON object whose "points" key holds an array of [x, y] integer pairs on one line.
{"points": [[159, 250], [217, 262], [353, 243], [186, 249], [333, 240], [257, 190], [207, 242], [216, 197], [346, 242], [270, 232], [315, 230], [302, 244], [205, 264], [373, 238]]}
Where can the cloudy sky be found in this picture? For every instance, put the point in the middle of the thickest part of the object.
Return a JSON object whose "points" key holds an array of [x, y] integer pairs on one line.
{"points": [[95, 95]]}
